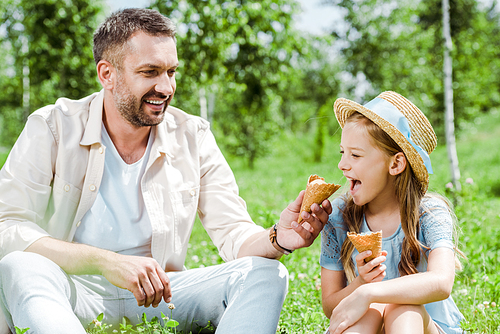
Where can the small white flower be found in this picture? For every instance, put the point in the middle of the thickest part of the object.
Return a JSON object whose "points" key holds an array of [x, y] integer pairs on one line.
{"points": [[195, 258], [480, 306], [469, 180], [493, 304], [301, 276], [449, 185], [171, 306], [463, 292]]}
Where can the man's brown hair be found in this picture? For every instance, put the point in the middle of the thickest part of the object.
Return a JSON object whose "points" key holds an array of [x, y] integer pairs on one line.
{"points": [[110, 38]]}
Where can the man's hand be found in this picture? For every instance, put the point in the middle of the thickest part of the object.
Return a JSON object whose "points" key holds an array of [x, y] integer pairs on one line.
{"points": [[292, 235], [142, 276]]}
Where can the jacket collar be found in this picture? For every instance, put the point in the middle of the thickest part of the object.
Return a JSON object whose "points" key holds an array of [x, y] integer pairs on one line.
{"points": [[164, 134], [92, 133]]}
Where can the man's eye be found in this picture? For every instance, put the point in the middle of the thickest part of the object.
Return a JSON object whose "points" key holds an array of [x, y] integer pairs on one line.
{"points": [[341, 152], [150, 72]]}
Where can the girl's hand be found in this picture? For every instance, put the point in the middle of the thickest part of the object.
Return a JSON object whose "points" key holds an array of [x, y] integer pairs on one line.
{"points": [[348, 312], [374, 270]]}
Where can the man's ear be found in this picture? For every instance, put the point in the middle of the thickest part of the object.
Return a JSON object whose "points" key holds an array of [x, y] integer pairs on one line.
{"points": [[106, 73], [398, 163]]}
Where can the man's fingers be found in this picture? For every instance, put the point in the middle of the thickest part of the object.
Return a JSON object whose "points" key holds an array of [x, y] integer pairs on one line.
{"points": [[302, 230], [158, 288], [149, 291], [139, 294], [167, 291], [295, 205], [327, 206]]}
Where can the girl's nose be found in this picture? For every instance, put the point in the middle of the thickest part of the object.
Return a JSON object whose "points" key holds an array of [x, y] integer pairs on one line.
{"points": [[342, 164]]}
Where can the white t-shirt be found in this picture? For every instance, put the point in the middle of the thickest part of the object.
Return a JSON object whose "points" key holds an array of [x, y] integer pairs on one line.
{"points": [[118, 220]]}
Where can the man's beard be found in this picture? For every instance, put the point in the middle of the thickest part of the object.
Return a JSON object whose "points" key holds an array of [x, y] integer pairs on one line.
{"points": [[132, 109]]}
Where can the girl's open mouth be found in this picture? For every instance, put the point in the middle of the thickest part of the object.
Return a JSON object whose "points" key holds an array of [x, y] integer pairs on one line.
{"points": [[355, 184]]}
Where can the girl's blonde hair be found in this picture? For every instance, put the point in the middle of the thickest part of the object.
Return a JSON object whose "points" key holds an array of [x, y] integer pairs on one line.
{"points": [[409, 196]]}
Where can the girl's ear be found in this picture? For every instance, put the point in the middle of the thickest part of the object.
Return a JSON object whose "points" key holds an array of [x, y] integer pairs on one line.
{"points": [[106, 73], [398, 164]]}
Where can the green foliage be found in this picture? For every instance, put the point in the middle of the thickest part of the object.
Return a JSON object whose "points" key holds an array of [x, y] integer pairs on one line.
{"points": [[399, 46], [155, 325], [241, 52], [48, 42], [21, 331]]}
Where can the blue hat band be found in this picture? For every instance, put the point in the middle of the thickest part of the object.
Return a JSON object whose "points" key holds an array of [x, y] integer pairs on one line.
{"points": [[392, 115]]}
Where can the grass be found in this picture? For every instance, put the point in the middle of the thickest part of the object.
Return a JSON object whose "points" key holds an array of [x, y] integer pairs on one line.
{"points": [[277, 179]]}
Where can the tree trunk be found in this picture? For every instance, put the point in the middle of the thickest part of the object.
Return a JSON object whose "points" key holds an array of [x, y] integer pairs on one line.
{"points": [[203, 103], [26, 78], [448, 99]]}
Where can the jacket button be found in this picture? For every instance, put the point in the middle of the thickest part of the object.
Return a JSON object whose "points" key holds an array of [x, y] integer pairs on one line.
{"points": [[92, 187], [101, 150], [66, 188], [79, 223], [192, 192]]}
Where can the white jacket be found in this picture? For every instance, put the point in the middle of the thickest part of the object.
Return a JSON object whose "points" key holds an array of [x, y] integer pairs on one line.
{"points": [[52, 176]]}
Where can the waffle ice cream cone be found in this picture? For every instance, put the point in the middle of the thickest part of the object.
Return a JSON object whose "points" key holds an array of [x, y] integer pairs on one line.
{"points": [[369, 241], [317, 191]]}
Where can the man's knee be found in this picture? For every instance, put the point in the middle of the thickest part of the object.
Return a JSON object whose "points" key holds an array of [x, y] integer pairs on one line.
{"points": [[270, 272], [17, 267], [11, 264]]}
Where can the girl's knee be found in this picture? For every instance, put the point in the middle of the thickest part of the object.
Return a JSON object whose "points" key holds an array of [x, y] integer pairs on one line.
{"points": [[404, 308], [406, 313]]}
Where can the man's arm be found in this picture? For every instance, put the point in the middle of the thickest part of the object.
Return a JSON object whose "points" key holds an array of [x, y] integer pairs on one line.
{"points": [[142, 276], [290, 235]]}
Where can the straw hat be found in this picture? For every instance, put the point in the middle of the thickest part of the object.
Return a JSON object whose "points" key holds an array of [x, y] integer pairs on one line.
{"points": [[413, 132]]}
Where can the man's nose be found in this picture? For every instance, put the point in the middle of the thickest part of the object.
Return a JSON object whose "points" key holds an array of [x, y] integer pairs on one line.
{"points": [[165, 84]]}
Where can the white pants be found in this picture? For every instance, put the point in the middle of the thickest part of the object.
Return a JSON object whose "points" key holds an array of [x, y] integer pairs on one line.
{"points": [[241, 296]]}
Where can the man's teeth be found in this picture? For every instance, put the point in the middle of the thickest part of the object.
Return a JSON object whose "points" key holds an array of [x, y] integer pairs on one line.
{"points": [[154, 101]]}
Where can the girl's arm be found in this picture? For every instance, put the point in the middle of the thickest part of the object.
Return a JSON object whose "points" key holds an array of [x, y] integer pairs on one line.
{"points": [[333, 283], [433, 285]]}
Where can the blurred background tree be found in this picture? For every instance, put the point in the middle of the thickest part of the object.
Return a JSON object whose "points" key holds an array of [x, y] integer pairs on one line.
{"points": [[242, 52], [399, 46], [47, 53], [247, 68]]}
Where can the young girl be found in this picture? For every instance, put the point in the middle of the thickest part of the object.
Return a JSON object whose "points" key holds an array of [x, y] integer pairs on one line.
{"points": [[385, 149]]}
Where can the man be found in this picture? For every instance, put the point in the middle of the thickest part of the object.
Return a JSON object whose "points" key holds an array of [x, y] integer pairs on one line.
{"points": [[98, 199]]}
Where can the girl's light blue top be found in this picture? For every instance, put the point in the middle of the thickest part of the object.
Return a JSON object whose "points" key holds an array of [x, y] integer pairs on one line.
{"points": [[436, 230]]}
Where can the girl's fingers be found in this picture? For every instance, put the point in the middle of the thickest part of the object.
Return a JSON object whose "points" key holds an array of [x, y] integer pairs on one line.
{"points": [[360, 258]]}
